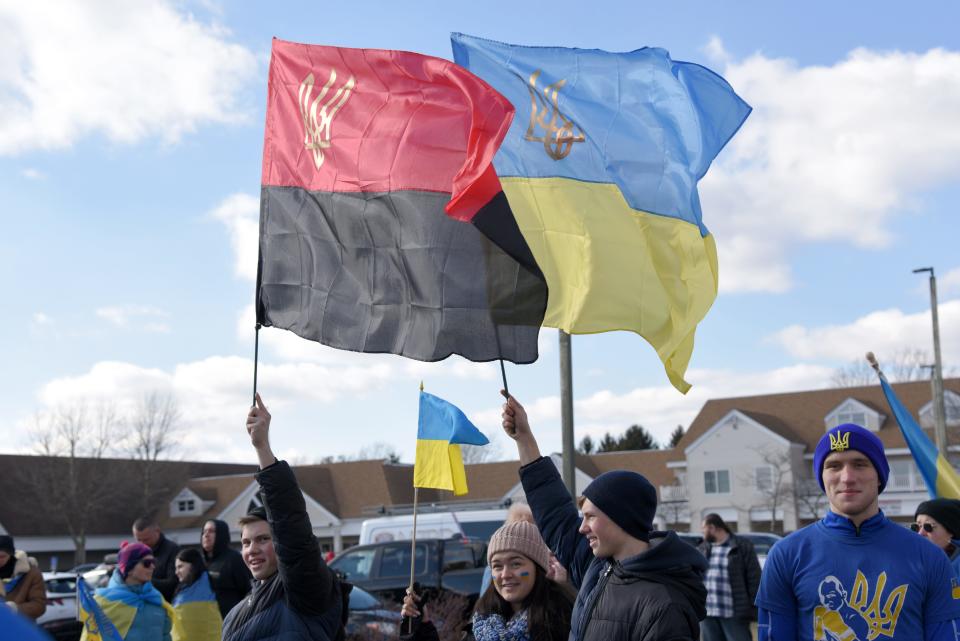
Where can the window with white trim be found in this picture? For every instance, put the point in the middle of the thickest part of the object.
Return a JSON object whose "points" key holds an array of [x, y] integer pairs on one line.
{"points": [[716, 481], [763, 478], [186, 505]]}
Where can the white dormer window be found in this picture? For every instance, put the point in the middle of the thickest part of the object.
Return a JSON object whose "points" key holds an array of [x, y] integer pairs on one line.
{"points": [[186, 503], [951, 406], [853, 411]]}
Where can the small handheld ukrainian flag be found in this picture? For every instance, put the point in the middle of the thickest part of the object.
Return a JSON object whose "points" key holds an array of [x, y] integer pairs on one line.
{"points": [[96, 625], [442, 429]]}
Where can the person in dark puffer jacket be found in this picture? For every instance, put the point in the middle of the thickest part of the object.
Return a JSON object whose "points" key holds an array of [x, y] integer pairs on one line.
{"points": [[296, 597], [732, 580], [229, 576], [634, 584]]}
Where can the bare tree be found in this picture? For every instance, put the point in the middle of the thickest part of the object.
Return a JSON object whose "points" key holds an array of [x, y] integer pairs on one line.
{"points": [[152, 436], [810, 498], [482, 453], [378, 450], [74, 488], [908, 364], [775, 488], [673, 510]]}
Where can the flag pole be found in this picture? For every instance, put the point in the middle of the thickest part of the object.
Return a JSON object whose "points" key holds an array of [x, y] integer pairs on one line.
{"points": [[413, 547], [503, 375], [566, 413], [413, 536], [256, 357]]}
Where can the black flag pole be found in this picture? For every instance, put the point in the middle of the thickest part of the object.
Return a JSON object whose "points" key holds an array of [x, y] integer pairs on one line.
{"points": [[503, 375], [256, 357]]}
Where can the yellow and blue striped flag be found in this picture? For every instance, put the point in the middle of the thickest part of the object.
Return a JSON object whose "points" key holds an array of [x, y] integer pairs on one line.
{"points": [[441, 430], [96, 625], [941, 479], [197, 612], [600, 167]]}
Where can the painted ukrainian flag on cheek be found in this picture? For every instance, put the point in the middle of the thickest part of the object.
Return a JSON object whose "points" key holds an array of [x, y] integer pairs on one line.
{"points": [[442, 429], [600, 167]]}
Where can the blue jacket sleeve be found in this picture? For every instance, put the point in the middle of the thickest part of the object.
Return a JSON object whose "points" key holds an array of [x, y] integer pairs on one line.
{"points": [[773, 626], [942, 631], [556, 517]]}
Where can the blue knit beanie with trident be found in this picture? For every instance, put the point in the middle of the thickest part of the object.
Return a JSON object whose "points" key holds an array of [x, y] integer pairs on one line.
{"points": [[851, 436]]}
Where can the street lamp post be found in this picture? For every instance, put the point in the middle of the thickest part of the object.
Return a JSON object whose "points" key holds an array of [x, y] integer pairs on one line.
{"points": [[940, 427]]}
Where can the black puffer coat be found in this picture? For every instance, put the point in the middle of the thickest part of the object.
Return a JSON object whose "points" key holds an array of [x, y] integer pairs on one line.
{"points": [[654, 596], [302, 601]]}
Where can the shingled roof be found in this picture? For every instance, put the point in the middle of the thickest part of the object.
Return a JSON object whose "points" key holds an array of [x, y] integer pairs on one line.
{"points": [[799, 416]]}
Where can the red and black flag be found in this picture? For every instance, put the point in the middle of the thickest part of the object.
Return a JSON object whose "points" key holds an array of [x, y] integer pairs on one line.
{"points": [[373, 161]]}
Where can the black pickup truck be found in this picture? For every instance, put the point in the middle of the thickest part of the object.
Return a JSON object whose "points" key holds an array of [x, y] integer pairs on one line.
{"points": [[442, 565]]}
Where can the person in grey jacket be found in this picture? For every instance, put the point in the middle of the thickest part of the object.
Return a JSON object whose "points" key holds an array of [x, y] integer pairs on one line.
{"points": [[634, 583], [296, 597], [732, 580]]}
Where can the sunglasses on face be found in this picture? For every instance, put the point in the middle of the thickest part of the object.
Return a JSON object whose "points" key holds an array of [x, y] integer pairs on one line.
{"points": [[927, 527], [147, 563]]}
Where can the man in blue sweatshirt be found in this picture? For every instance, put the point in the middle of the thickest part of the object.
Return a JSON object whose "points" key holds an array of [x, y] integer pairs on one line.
{"points": [[855, 575]]}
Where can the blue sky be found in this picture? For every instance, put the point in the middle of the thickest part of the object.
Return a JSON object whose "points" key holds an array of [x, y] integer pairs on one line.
{"points": [[130, 144]]}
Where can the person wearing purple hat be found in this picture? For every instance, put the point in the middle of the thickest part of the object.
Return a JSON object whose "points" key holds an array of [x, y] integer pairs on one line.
{"points": [[855, 574], [135, 607], [634, 583]]}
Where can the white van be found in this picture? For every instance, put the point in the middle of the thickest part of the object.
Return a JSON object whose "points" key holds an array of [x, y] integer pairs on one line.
{"points": [[432, 525]]}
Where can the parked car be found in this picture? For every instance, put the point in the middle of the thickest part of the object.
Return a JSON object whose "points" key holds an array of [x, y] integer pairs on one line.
{"points": [[60, 618], [762, 541], [368, 620], [442, 565]]}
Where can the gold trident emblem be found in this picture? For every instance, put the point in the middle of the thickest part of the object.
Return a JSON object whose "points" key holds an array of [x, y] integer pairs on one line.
{"points": [[557, 139], [317, 117], [839, 442]]}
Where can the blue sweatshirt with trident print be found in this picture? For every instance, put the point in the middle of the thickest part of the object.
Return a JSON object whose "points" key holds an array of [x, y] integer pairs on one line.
{"points": [[832, 581]]}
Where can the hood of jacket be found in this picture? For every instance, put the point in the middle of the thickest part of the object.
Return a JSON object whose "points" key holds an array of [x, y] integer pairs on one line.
{"points": [[222, 540], [670, 562]]}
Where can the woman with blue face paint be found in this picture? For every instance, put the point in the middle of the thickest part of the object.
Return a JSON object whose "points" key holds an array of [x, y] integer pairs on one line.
{"points": [[521, 603]]}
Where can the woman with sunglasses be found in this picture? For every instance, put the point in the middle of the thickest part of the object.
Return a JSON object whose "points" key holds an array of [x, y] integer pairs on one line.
{"points": [[135, 608], [521, 603], [194, 602], [938, 520]]}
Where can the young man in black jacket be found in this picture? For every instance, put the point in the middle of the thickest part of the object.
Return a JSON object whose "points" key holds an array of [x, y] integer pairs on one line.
{"points": [[229, 576], [634, 584], [732, 580], [296, 597]]}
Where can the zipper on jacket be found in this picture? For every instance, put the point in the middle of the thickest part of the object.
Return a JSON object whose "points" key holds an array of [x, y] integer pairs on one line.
{"points": [[598, 590]]}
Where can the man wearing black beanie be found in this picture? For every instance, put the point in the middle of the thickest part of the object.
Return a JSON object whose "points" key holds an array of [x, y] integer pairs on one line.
{"points": [[634, 583]]}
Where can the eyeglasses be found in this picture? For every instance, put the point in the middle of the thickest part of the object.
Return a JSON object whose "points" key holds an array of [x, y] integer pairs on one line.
{"points": [[927, 527], [147, 563]]}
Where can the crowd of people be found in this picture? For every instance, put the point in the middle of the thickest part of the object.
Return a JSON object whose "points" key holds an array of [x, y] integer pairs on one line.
{"points": [[595, 570]]}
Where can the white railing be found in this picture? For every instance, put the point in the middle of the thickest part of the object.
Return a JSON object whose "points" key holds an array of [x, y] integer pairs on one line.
{"points": [[673, 493]]}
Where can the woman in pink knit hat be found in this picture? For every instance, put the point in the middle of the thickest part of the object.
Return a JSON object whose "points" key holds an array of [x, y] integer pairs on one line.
{"points": [[521, 604]]}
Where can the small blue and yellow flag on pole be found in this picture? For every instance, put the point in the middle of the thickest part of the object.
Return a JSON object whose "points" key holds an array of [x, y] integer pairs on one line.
{"points": [[941, 479], [600, 167], [442, 429], [96, 625]]}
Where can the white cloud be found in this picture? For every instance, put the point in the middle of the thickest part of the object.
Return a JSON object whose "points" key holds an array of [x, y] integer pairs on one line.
{"points": [[126, 70], [884, 332], [144, 317], [659, 409], [39, 318], [949, 283], [32, 174], [830, 153], [241, 214]]}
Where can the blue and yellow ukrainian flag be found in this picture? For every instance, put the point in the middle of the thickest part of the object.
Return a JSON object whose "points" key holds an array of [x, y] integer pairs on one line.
{"points": [[442, 429], [96, 625], [941, 479], [197, 612], [600, 167]]}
